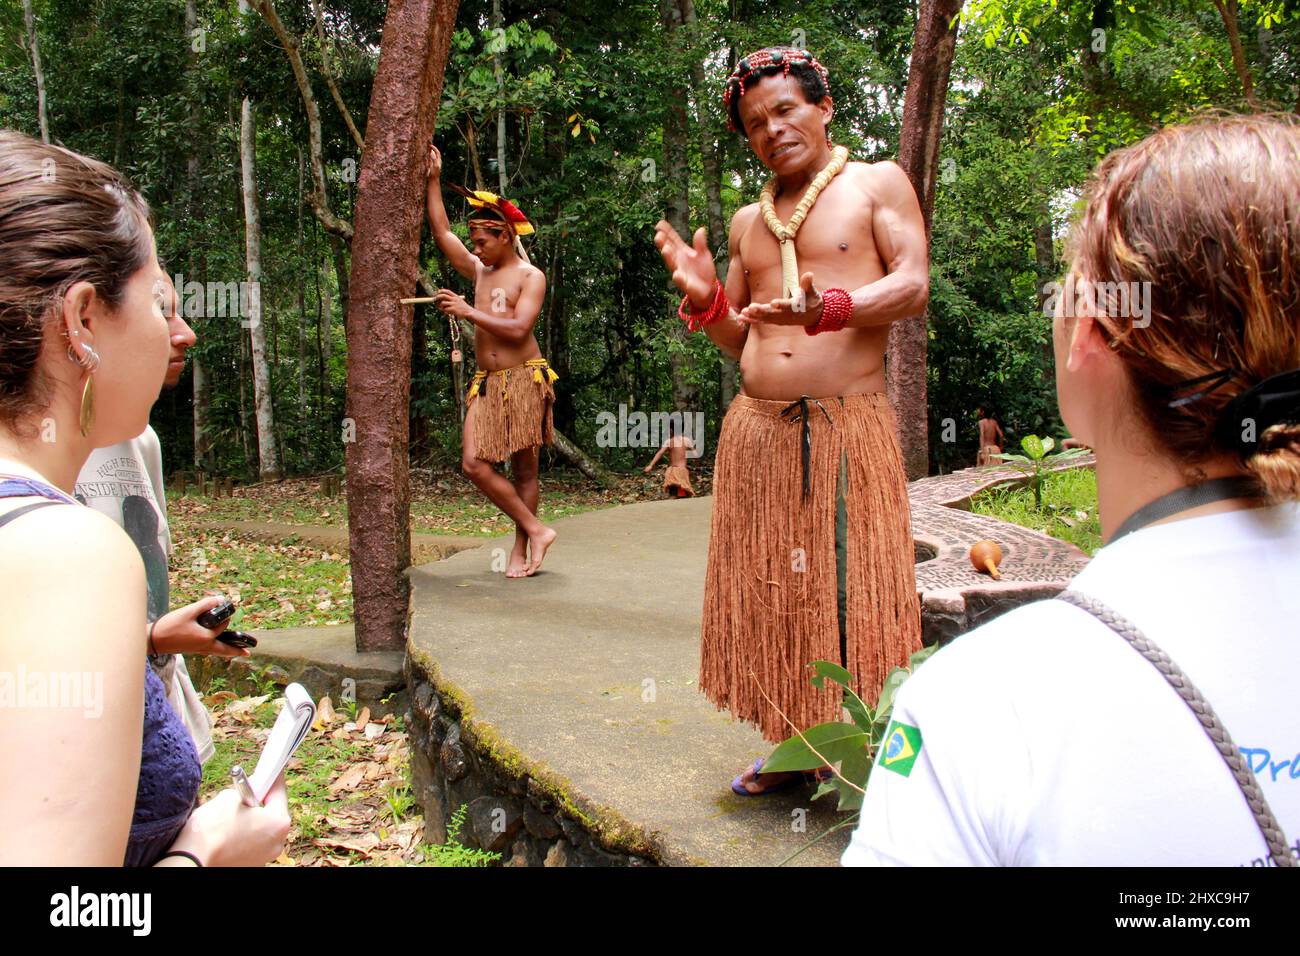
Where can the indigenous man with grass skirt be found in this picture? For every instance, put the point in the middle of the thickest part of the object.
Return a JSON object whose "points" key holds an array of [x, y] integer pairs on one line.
{"points": [[511, 397], [810, 552]]}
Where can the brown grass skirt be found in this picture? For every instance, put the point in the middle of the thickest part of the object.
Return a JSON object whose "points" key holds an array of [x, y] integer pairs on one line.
{"points": [[678, 477], [770, 594], [513, 409]]}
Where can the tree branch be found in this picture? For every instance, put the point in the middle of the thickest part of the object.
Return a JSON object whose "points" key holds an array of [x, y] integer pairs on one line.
{"points": [[318, 198], [1228, 13], [329, 77]]}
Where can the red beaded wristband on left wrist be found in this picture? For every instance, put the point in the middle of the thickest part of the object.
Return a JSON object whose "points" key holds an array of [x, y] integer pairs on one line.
{"points": [[837, 309]]}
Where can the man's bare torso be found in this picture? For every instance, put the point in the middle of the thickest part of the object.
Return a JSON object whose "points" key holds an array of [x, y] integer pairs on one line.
{"points": [[837, 244], [496, 291], [677, 448]]}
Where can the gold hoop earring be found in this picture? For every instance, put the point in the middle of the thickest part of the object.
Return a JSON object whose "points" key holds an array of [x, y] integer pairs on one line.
{"points": [[88, 360], [87, 421]]}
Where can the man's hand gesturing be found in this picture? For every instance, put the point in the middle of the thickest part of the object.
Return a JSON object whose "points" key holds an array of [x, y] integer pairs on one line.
{"points": [[802, 308], [692, 266]]}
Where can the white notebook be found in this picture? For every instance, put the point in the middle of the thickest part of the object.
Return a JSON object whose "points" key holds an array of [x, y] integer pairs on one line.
{"points": [[290, 729]]}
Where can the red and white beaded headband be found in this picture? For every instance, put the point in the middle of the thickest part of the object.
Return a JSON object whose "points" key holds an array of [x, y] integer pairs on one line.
{"points": [[761, 60]]}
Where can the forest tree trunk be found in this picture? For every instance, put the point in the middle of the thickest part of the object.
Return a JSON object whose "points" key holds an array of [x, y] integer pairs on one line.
{"points": [[933, 45], [1228, 13], [268, 457], [676, 174], [502, 179], [202, 397], [707, 136], [34, 48], [385, 248]]}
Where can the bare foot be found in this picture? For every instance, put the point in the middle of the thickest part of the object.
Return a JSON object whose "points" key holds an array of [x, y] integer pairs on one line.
{"points": [[537, 545], [517, 567]]}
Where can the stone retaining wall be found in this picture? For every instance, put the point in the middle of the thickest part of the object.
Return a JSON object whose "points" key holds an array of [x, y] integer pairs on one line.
{"points": [[529, 818]]}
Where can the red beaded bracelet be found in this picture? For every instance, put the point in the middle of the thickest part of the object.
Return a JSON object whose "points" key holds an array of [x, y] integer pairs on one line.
{"points": [[717, 311], [837, 309]]}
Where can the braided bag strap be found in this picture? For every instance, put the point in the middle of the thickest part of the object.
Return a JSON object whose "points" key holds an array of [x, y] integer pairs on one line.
{"points": [[1209, 720]]}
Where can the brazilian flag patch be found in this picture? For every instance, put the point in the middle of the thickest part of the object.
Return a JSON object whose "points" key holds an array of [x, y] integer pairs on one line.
{"points": [[901, 747]]}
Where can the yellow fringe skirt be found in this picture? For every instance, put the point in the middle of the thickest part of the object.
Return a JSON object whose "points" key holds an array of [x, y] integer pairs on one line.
{"points": [[780, 590], [512, 409]]}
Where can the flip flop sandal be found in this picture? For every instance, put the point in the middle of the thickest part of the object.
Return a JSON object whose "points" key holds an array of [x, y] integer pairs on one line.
{"points": [[739, 788]]}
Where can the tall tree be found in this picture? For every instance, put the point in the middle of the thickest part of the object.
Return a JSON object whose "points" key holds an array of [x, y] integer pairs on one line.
{"points": [[1228, 13], [933, 44], [268, 455], [385, 250], [711, 166], [201, 392], [498, 74], [34, 50], [677, 177]]}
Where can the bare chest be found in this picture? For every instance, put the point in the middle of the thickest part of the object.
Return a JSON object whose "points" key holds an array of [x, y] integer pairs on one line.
{"points": [[497, 293], [835, 243]]}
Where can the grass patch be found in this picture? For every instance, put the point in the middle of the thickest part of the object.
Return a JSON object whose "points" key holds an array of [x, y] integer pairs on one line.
{"points": [[443, 503], [275, 585], [349, 795], [1069, 508]]}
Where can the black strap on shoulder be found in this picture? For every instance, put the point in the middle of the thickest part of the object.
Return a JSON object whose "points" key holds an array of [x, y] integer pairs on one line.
{"points": [[19, 512], [1184, 499]]}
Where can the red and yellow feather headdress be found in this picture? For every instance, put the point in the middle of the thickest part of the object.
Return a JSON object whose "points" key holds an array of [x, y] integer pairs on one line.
{"points": [[482, 199]]}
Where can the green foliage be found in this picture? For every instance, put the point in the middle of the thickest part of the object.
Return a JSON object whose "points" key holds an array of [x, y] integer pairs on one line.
{"points": [[852, 747], [1035, 463], [399, 802], [587, 91], [455, 853]]}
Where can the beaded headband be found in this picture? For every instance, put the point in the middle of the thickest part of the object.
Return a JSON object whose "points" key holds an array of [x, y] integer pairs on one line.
{"points": [[761, 60]]}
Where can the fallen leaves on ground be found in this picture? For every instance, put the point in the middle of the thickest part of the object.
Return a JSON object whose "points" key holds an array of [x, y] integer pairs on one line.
{"points": [[348, 782]]}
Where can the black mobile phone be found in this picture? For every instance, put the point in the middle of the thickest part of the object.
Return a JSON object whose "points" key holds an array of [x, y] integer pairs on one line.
{"points": [[213, 617], [237, 639]]}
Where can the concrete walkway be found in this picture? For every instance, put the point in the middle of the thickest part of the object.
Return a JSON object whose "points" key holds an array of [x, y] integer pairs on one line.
{"points": [[589, 668]]}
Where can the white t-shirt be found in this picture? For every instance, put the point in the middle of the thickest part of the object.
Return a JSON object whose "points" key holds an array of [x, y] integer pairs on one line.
{"points": [[125, 482], [1044, 738]]}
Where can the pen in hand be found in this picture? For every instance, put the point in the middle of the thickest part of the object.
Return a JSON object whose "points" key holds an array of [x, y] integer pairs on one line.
{"points": [[243, 786]]}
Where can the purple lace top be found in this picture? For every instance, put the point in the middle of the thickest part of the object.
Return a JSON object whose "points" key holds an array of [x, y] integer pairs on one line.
{"points": [[169, 764]]}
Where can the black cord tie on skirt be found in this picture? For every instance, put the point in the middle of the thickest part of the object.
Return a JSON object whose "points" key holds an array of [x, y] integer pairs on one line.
{"points": [[798, 412]]}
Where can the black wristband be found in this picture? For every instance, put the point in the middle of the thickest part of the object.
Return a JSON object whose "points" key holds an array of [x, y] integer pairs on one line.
{"points": [[185, 853], [152, 650]]}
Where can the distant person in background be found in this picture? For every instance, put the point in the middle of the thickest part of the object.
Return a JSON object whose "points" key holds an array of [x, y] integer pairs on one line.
{"points": [[1158, 725], [677, 479], [991, 437], [125, 482]]}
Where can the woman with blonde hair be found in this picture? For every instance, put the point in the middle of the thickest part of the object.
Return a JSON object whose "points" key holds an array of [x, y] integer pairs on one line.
{"points": [[98, 768], [1147, 716]]}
